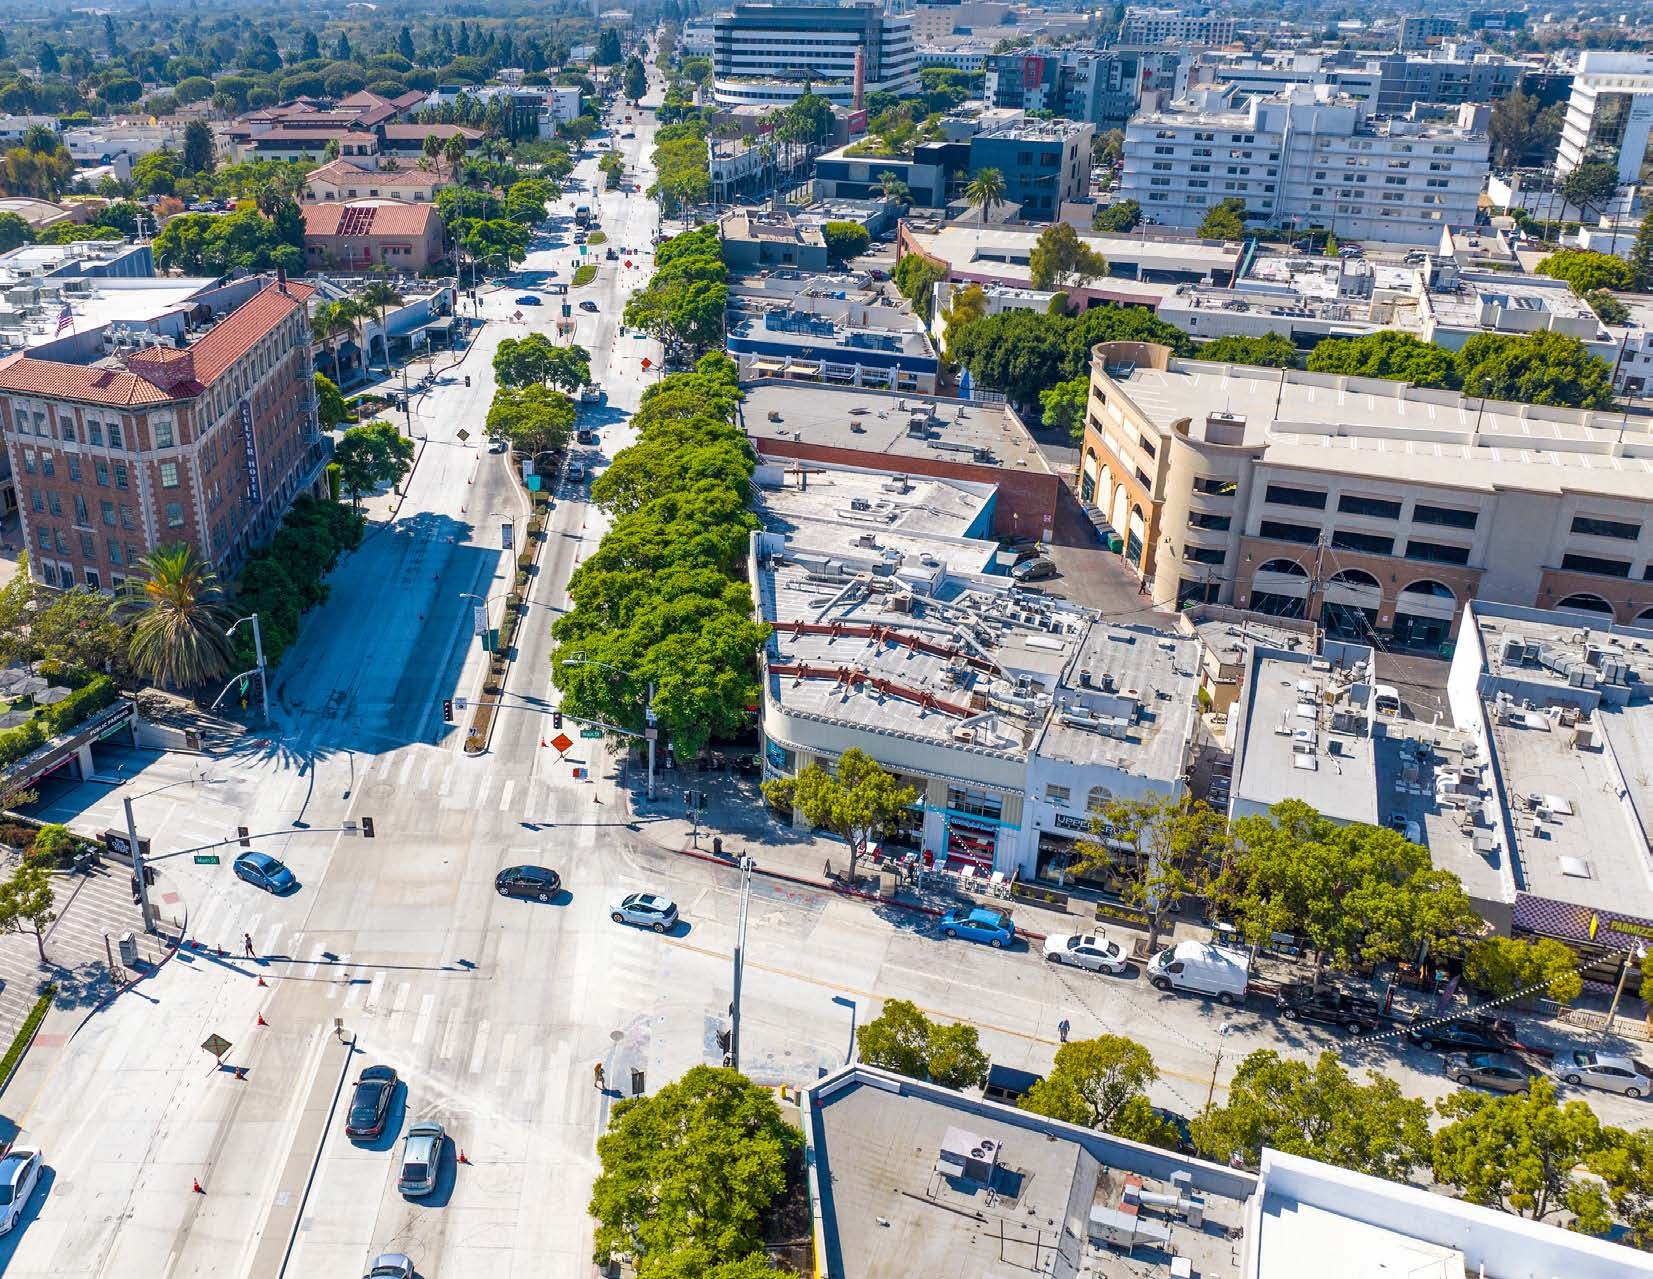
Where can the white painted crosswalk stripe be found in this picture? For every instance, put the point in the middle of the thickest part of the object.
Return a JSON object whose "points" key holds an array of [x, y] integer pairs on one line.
{"points": [[505, 795], [421, 1024], [450, 1039], [507, 1051], [315, 960], [374, 990], [480, 1048], [402, 775], [402, 993]]}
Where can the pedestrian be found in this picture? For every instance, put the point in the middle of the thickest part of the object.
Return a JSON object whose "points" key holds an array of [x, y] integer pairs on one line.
{"points": [[1062, 1028], [597, 1076], [247, 945]]}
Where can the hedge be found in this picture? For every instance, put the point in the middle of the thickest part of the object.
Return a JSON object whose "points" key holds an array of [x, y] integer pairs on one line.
{"points": [[49, 721], [25, 1034]]}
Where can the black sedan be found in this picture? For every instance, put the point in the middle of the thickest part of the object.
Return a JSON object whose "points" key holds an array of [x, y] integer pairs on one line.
{"points": [[1470, 1034], [538, 882], [370, 1103], [1301, 1001]]}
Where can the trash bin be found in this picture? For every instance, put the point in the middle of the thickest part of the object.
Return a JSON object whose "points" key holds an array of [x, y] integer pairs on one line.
{"points": [[129, 949]]}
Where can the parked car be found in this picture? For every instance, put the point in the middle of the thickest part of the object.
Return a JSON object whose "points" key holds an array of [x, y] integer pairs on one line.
{"points": [[391, 1265], [588, 305], [979, 924], [539, 882], [370, 1103], [1202, 969], [1470, 1034], [591, 393], [585, 435], [421, 1159], [1611, 1071], [528, 299], [1498, 1071], [1087, 950], [266, 872], [1303, 1001], [1034, 569], [19, 1175], [646, 910]]}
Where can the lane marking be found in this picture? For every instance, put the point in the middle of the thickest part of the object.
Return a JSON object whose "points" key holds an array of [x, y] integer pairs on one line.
{"points": [[421, 1025], [480, 1048]]}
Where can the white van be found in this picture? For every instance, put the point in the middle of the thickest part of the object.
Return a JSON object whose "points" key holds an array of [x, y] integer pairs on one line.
{"points": [[1203, 969]]}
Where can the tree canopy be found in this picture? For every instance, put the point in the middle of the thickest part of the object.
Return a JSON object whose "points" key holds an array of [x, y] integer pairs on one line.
{"points": [[1024, 352], [370, 457], [1586, 270], [534, 418], [857, 801], [1093, 1082], [1224, 220], [901, 1038], [683, 303], [1060, 259], [1271, 350]]}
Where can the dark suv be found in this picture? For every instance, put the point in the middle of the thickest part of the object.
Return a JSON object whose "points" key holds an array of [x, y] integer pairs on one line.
{"points": [[1301, 1001], [1469, 1034]]}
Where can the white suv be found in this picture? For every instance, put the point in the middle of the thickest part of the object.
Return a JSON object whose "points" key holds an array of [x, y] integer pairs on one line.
{"points": [[19, 1174]]}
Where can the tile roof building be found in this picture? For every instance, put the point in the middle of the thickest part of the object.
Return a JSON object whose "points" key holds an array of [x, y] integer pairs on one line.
{"points": [[356, 237], [118, 448], [340, 181]]}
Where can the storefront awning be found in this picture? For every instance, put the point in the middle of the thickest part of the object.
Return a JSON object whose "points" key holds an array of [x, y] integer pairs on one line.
{"points": [[1580, 925]]}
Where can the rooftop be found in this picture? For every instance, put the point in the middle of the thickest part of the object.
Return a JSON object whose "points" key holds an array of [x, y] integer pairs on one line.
{"points": [[1306, 732], [344, 171], [391, 218], [776, 225], [1006, 251], [94, 302], [882, 423], [1322, 421]]}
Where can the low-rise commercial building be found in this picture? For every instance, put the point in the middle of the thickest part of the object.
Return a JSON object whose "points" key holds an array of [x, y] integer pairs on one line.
{"points": [[119, 445], [757, 238], [972, 252], [365, 235], [1376, 508], [340, 182]]}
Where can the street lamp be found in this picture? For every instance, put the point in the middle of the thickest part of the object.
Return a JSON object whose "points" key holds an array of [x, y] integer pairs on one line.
{"points": [[1211, 1089], [1624, 971], [137, 849], [648, 707], [746, 865], [263, 676]]}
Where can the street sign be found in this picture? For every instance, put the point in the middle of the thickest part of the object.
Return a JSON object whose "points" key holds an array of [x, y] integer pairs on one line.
{"points": [[205, 859], [591, 732], [117, 842], [507, 535], [217, 1045], [479, 620], [462, 434], [562, 741]]}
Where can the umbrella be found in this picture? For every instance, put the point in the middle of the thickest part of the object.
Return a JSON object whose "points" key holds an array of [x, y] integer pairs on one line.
{"points": [[30, 686], [11, 677], [51, 696], [11, 719]]}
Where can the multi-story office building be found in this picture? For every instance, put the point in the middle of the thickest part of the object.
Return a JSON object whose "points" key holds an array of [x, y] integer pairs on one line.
{"points": [[1043, 163], [117, 449], [1103, 87], [1609, 115], [1372, 506], [1417, 30], [1304, 157], [1176, 26], [772, 53]]}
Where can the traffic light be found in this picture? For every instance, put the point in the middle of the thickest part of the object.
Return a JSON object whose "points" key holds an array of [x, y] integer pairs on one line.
{"points": [[245, 836], [688, 799], [556, 719], [447, 710], [367, 828]]}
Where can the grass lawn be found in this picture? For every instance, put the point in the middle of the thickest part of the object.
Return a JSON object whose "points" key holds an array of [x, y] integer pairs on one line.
{"points": [[584, 275], [597, 237]]}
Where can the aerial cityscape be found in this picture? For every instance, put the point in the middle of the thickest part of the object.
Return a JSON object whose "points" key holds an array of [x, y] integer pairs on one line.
{"points": [[834, 639]]}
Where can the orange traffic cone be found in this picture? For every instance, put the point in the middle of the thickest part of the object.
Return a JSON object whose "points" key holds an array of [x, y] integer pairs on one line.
{"points": [[262, 982], [261, 1020], [542, 743], [462, 1158], [195, 1186]]}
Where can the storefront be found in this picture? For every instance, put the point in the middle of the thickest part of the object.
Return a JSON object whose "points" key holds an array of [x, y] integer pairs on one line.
{"points": [[1605, 940]]}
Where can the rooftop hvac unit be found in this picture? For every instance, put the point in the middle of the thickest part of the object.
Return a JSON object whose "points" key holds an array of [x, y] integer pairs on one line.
{"points": [[1515, 649], [967, 1157], [859, 504]]}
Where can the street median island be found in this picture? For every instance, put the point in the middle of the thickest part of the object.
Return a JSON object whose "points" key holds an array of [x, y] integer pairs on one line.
{"points": [[516, 605]]}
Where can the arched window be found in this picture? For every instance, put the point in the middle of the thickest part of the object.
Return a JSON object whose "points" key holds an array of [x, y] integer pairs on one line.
{"points": [[1428, 586], [1098, 798], [1584, 602], [1355, 577], [1288, 568], [1646, 615]]}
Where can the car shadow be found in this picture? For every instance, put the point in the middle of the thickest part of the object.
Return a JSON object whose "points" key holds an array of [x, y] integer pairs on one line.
{"points": [[447, 1173], [31, 1210], [395, 1117]]}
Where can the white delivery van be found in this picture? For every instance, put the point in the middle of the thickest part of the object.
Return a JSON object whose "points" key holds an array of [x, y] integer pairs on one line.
{"points": [[1202, 969]]}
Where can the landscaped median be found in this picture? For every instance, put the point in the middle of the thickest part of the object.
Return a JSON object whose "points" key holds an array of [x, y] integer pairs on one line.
{"points": [[25, 1035], [584, 275], [516, 605]]}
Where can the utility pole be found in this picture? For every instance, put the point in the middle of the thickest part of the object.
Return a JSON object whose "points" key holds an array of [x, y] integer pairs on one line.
{"points": [[746, 864], [1638, 954], [138, 867]]}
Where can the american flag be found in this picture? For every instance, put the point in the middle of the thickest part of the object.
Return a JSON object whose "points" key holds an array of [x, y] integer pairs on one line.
{"points": [[65, 319]]}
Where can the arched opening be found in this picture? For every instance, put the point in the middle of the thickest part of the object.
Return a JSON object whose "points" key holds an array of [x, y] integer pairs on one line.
{"points": [[1349, 609], [1119, 509], [1097, 799], [1280, 588], [1134, 536], [1087, 476], [1423, 614], [1646, 615], [1355, 577], [1584, 602]]}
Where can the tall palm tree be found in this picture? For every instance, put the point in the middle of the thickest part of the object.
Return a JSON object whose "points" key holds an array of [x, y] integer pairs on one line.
{"points": [[375, 298], [431, 148], [893, 187], [178, 632], [328, 322], [986, 192], [453, 151]]}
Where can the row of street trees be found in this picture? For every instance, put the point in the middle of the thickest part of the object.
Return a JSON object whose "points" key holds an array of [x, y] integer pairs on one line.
{"points": [[682, 306]]}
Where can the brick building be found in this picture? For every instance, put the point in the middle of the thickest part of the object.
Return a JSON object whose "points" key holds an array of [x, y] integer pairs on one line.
{"points": [[118, 451], [358, 237]]}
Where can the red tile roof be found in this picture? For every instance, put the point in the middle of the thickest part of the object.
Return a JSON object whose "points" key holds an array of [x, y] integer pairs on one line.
{"points": [[384, 219], [344, 171], [228, 340], [419, 132]]}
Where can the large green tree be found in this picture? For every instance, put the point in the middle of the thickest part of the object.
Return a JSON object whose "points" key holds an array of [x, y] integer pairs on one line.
{"points": [[1162, 851], [26, 901], [1501, 966], [179, 618], [858, 800], [1063, 406], [371, 456], [534, 418], [1586, 270], [1271, 350], [1224, 220], [1093, 1081], [1118, 217], [1534, 368], [901, 1038], [845, 240], [1590, 185], [1385, 354], [1060, 259], [1319, 1111], [692, 1168]]}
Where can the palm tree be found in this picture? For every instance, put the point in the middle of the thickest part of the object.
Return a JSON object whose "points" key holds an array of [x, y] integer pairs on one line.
{"points": [[374, 299], [430, 151], [986, 192], [327, 321], [453, 151], [893, 187], [178, 635]]}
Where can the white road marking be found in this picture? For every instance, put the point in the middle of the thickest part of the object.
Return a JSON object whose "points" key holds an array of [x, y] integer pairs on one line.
{"points": [[402, 993], [315, 961], [450, 1037], [421, 1024], [480, 1048], [507, 1050], [505, 795], [375, 988]]}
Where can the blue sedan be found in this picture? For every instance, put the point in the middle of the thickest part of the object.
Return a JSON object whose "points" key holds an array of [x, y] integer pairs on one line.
{"points": [[528, 299], [979, 923], [266, 872]]}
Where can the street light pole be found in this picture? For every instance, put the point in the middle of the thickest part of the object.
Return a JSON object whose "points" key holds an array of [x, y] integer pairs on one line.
{"points": [[746, 864], [263, 674], [1639, 953], [651, 732], [138, 867]]}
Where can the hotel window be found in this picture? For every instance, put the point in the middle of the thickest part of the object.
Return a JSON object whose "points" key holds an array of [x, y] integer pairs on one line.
{"points": [[107, 511], [120, 475], [174, 515], [163, 435], [169, 475], [101, 470], [74, 468]]}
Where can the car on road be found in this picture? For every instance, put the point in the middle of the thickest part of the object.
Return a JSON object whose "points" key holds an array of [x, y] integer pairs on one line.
{"points": [[591, 393], [628, 134], [1610, 1071], [266, 872], [19, 1175], [588, 305], [1033, 569], [528, 299], [1304, 1001], [421, 1159], [1087, 950], [979, 924], [391, 1265], [1498, 1071], [646, 910], [1470, 1034], [370, 1103], [585, 435], [576, 473], [539, 882]]}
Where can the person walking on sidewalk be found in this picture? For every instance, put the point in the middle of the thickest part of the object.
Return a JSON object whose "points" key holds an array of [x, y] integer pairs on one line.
{"points": [[597, 1076], [1062, 1028], [247, 945]]}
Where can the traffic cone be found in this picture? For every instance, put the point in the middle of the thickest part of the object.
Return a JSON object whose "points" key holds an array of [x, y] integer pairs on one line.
{"points": [[195, 1186], [462, 1158], [262, 982], [261, 1020], [221, 952], [542, 743]]}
